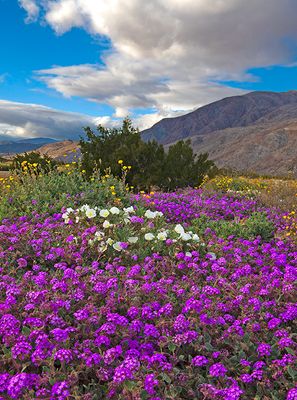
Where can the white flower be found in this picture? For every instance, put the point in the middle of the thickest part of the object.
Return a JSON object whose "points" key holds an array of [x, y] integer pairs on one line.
{"points": [[132, 239], [114, 210], [99, 235], [179, 229], [65, 216], [106, 224], [188, 254], [149, 236], [102, 248], [162, 235], [77, 219], [84, 208], [90, 213], [129, 209], [110, 241], [185, 236], [69, 210], [159, 214], [150, 214], [117, 246], [91, 242], [212, 256], [104, 213], [196, 238]]}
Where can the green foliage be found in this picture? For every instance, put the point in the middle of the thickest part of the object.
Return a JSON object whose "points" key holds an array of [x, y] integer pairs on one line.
{"points": [[55, 190], [33, 163], [182, 168], [256, 225], [150, 165]]}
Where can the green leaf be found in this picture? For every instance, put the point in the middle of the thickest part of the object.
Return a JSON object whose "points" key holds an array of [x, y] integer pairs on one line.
{"points": [[171, 347], [130, 385], [143, 395], [165, 377], [26, 331], [290, 351], [292, 372]]}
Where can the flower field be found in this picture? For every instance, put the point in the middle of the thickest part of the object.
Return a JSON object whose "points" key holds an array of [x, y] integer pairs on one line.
{"points": [[182, 295]]}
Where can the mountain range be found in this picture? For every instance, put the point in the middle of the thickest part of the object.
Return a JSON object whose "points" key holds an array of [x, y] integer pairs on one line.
{"points": [[253, 132], [10, 145]]}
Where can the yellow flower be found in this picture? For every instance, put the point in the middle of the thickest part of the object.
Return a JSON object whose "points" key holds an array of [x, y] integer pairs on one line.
{"points": [[120, 162]]}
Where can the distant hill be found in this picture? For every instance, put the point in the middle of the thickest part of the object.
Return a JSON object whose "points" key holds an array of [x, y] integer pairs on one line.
{"points": [[256, 131], [66, 151], [13, 146]]}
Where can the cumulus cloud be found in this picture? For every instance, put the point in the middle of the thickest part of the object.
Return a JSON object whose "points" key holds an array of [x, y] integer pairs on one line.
{"points": [[169, 55], [33, 120]]}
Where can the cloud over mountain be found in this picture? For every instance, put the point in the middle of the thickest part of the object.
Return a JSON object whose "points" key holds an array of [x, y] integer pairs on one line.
{"points": [[33, 120], [169, 55]]}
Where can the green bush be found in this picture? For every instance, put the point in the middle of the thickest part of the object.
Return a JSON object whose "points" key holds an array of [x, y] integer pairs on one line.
{"points": [[33, 163], [147, 162]]}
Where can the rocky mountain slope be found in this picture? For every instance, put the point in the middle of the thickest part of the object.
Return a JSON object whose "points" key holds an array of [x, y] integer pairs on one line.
{"points": [[67, 150], [255, 132]]}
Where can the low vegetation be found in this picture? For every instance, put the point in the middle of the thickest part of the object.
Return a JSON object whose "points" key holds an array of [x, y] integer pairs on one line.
{"points": [[109, 291]]}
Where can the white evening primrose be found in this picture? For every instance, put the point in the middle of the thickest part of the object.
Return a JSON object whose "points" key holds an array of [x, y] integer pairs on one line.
{"points": [[129, 210], [106, 224], [117, 246], [159, 214], [84, 208], [185, 236], [114, 210], [162, 235], [179, 229], [149, 236], [195, 237], [104, 213], [69, 210], [65, 215], [150, 214], [132, 239], [91, 213], [212, 256], [99, 235]]}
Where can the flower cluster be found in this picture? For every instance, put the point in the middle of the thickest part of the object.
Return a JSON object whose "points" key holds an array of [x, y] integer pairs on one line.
{"points": [[125, 303]]}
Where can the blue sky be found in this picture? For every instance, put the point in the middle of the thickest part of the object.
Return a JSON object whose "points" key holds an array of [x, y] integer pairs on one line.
{"points": [[89, 62]]}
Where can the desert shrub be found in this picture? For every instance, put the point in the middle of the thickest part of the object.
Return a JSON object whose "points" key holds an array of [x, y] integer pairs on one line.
{"points": [[240, 184], [183, 168], [148, 163], [280, 194], [4, 165], [50, 192], [33, 164]]}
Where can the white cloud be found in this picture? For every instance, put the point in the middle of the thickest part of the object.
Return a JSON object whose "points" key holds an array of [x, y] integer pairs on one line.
{"points": [[31, 8], [33, 120], [167, 54]]}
